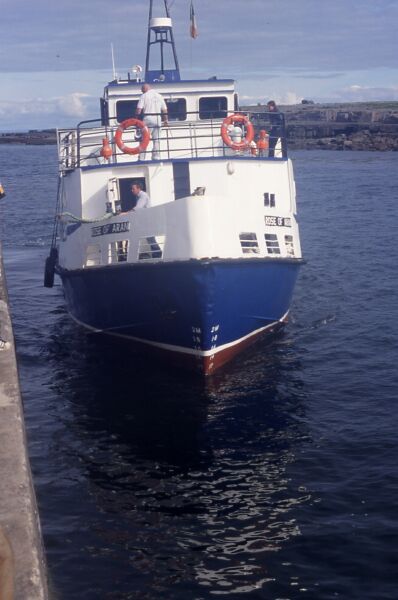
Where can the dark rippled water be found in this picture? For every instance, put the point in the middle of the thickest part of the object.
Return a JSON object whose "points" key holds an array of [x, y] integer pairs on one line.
{"points": [[279, 480]]}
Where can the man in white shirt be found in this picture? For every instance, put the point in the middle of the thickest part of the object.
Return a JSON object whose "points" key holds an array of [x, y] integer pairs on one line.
{"points": [[142, 198], [154, 108]]}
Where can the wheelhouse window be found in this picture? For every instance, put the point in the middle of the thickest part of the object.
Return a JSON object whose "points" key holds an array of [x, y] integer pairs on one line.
{"points": [[213, 107], [176, 109], [125, 109]]}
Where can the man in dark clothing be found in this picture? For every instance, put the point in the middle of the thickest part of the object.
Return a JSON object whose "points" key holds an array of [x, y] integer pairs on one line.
{"points": [[277, 129]]}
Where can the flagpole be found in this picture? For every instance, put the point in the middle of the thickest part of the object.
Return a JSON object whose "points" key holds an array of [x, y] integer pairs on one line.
{"points": [[193, 30]]}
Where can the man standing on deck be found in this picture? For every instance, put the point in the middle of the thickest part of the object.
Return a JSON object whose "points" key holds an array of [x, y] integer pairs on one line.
{"points": [[277, 129], [154, 109]]}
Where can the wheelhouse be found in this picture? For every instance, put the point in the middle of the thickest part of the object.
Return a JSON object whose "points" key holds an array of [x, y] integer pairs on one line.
{"points": [[186, 101]]}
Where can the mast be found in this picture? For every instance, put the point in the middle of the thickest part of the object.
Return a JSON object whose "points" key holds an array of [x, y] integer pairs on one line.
{"points": [[160, 34]]}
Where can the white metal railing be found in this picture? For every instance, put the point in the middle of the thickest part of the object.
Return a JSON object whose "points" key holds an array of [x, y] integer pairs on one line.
{"points": [[189, 139]]}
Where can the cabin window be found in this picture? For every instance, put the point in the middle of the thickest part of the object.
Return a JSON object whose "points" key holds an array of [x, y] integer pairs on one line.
{"points": [[213, 107], [271, 240], [125, 109], [93, 255], [176, 109], [249, 243], [269, 199], [289, 245], [151, 247], [118, 251]]}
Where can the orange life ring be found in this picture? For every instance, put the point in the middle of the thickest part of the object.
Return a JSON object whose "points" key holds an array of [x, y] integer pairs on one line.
{"points": [[146, 136], [231, 120]]}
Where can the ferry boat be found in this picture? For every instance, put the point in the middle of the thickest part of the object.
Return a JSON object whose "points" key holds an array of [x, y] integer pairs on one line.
{"points": [[211, 264]]}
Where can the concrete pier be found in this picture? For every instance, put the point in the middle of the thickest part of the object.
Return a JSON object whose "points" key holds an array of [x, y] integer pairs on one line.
{"points": [[22, 563]]}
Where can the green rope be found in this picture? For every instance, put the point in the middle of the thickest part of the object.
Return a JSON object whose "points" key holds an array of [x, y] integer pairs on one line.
{"points": [[72, 217]]}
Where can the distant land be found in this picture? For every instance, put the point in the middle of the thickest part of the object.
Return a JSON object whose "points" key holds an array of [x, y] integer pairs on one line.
{"points": [[32, 137], [353, 126], [345, 126]]}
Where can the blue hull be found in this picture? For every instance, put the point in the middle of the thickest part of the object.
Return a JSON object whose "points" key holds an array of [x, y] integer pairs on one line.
{"points": [[194, 306]]}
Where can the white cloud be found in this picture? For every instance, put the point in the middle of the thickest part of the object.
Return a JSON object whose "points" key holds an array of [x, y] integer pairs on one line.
{"points": [[73, 105], [290, 98], [43, 113]]}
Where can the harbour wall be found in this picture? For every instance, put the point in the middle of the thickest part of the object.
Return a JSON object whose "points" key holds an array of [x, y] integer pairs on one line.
{"points": [[22, 563]]}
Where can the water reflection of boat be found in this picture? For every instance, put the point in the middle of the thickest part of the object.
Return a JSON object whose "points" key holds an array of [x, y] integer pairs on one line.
{"points": [[212, 263], [189, 483]]}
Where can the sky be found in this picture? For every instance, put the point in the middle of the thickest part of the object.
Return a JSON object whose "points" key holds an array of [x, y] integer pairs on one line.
{"points": [[55, 57]]}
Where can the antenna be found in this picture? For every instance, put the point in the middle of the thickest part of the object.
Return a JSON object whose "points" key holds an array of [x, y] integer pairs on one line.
{"points": [[113, 63]]}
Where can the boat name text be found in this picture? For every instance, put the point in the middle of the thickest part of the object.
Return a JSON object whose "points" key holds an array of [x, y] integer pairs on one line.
{"points": [[110, 228], [278, 221]]}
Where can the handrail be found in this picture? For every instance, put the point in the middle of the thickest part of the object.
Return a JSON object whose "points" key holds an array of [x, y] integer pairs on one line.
{"points": [[191, 139]]}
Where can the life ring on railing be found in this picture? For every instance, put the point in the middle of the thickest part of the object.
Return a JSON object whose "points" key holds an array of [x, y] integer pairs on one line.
{"points": [[232, 120], [145, 139]]}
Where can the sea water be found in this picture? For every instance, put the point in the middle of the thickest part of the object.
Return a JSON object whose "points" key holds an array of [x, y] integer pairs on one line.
{"points": [[277, 480]]}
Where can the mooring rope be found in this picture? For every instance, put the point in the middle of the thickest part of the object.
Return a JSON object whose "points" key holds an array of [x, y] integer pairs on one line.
{"points": [[76, 219]]}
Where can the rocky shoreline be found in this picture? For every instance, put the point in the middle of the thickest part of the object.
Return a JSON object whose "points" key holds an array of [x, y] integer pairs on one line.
{"points": [[354, 126], [33, 137], [309, 126]]}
